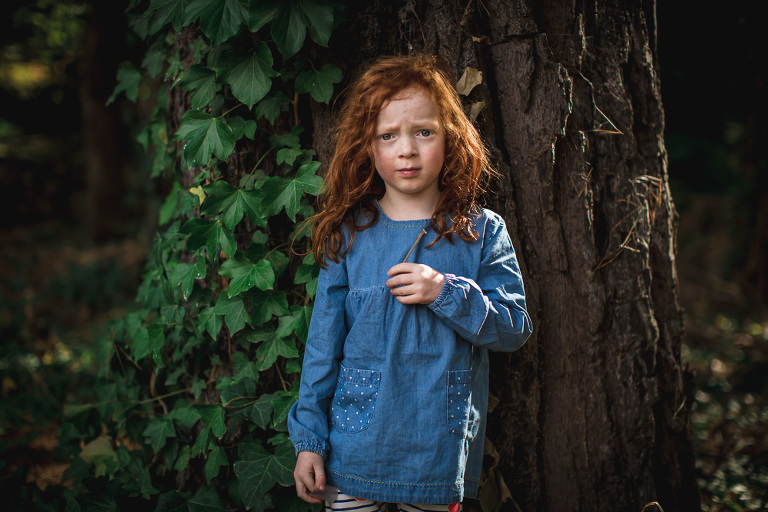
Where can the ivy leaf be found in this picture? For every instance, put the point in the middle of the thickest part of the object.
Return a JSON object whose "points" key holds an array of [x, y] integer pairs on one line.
{"points": [[205, 136], [213, 417], [241, 127], [282, 403], [271, 106], [319, 19], [206, 500], [261, 411], [234, 312], [245, 369], [244, 274], [266, 304], [319, 84], [289, 29], [221, 19], [258, 471], [141, 485], [262, 13], [172, 501], [210, 322], [202, 81], [167, 11], [251, 77], [153, 63], [297, 322], [268, 351], [157, 432], [288, 155], [217, 457], [307, 180], [99, 452], [233, 203], [282, 193], [209, 234], [185, 274], [128, 78], [156, 335], [308, 273]]}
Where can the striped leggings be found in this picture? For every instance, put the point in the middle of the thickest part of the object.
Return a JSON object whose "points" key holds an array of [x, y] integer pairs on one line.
{"points": [[350, 504]]}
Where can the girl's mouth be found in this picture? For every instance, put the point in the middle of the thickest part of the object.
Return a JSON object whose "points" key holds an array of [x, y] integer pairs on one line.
{"points": [[408, 171]]}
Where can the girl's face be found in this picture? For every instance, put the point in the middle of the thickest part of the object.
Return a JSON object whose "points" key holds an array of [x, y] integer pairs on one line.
{"points": [[409, 149]]}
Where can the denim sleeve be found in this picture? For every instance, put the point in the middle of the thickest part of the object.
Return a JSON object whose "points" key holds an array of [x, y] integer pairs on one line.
{"points": [[308, 418], [489, 312]]}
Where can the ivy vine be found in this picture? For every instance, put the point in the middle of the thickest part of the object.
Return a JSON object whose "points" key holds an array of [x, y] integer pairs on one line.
{"points": [[196, 383]]}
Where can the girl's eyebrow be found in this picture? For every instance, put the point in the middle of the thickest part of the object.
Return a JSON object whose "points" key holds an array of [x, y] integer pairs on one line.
{"points": [[417, 122]]}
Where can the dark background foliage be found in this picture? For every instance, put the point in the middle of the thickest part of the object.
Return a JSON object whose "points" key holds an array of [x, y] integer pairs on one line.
{"points": [[69, 266]]}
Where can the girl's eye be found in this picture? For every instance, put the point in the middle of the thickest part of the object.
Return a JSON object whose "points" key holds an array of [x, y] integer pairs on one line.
{"points": [[386, 136], [425, 133]]}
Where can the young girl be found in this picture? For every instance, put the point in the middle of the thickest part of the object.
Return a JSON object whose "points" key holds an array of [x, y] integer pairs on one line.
{"points": [[418, 283]]}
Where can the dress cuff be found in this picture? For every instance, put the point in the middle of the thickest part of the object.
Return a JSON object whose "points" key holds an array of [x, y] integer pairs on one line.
{"points": [[448, 283], [309, 446]]}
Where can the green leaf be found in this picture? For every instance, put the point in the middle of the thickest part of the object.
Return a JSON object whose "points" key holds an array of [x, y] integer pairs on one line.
{"points": [[167, 11], [185, 416], [128, 78], [319, 19], [205, 136], [251, 77], [99, 452], [234, 313], [242, 128], [206, 500], [141, 485], [270, 107], [268, 351], [263, 12], [217, 457], [213, 417], [202, 81], [289, 29], [261, 411], [185, 274], [282, 403], [172, 501], [220, 19], [319, 84], [258, 470], [153, 63], [244, 274], [308, 273], [267, 304], [307, 180], [209, 234], [158, 431], [244, 368], [288, 155], [297, 321], [156, 334], [233, 203], [210, 322]]}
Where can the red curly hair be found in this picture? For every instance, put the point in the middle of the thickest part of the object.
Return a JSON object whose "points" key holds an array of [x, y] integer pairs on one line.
{"points": [[351, 181]]}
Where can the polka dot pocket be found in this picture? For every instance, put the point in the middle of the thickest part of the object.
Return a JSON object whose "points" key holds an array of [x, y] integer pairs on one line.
{"points": [[355, 399]]}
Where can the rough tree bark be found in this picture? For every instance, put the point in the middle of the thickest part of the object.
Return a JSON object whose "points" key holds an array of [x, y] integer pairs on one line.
{"points": [[593, 411]]}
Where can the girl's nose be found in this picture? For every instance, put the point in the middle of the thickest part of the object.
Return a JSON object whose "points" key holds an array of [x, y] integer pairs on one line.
{"points": [[407, 147]]}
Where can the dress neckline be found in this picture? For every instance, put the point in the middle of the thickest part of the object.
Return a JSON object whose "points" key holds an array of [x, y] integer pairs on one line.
{"points": [[399, 223]]}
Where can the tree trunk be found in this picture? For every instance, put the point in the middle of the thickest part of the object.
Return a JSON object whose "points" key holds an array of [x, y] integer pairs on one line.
{"points": [[593, 411]]}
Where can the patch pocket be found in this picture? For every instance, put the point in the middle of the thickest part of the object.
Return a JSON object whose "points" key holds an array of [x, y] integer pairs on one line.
{"points": [[458, 401], [355, 398]]}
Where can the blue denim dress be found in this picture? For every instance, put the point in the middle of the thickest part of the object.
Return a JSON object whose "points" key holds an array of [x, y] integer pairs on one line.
{"points": [[394, 396]]}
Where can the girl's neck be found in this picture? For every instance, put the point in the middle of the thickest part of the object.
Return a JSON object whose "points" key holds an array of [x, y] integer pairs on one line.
{"points": [[407, 210]]}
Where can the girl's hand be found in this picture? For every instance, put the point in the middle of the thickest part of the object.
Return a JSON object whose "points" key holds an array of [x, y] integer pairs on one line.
{"points": [[309, 475], [414, 283]]}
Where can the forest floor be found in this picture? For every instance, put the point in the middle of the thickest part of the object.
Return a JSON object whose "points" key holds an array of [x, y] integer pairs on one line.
{"points": [[58, 294]]}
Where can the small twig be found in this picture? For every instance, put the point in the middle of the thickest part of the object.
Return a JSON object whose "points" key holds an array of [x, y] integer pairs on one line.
{"points": [[651, 504], [423, 232]]}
